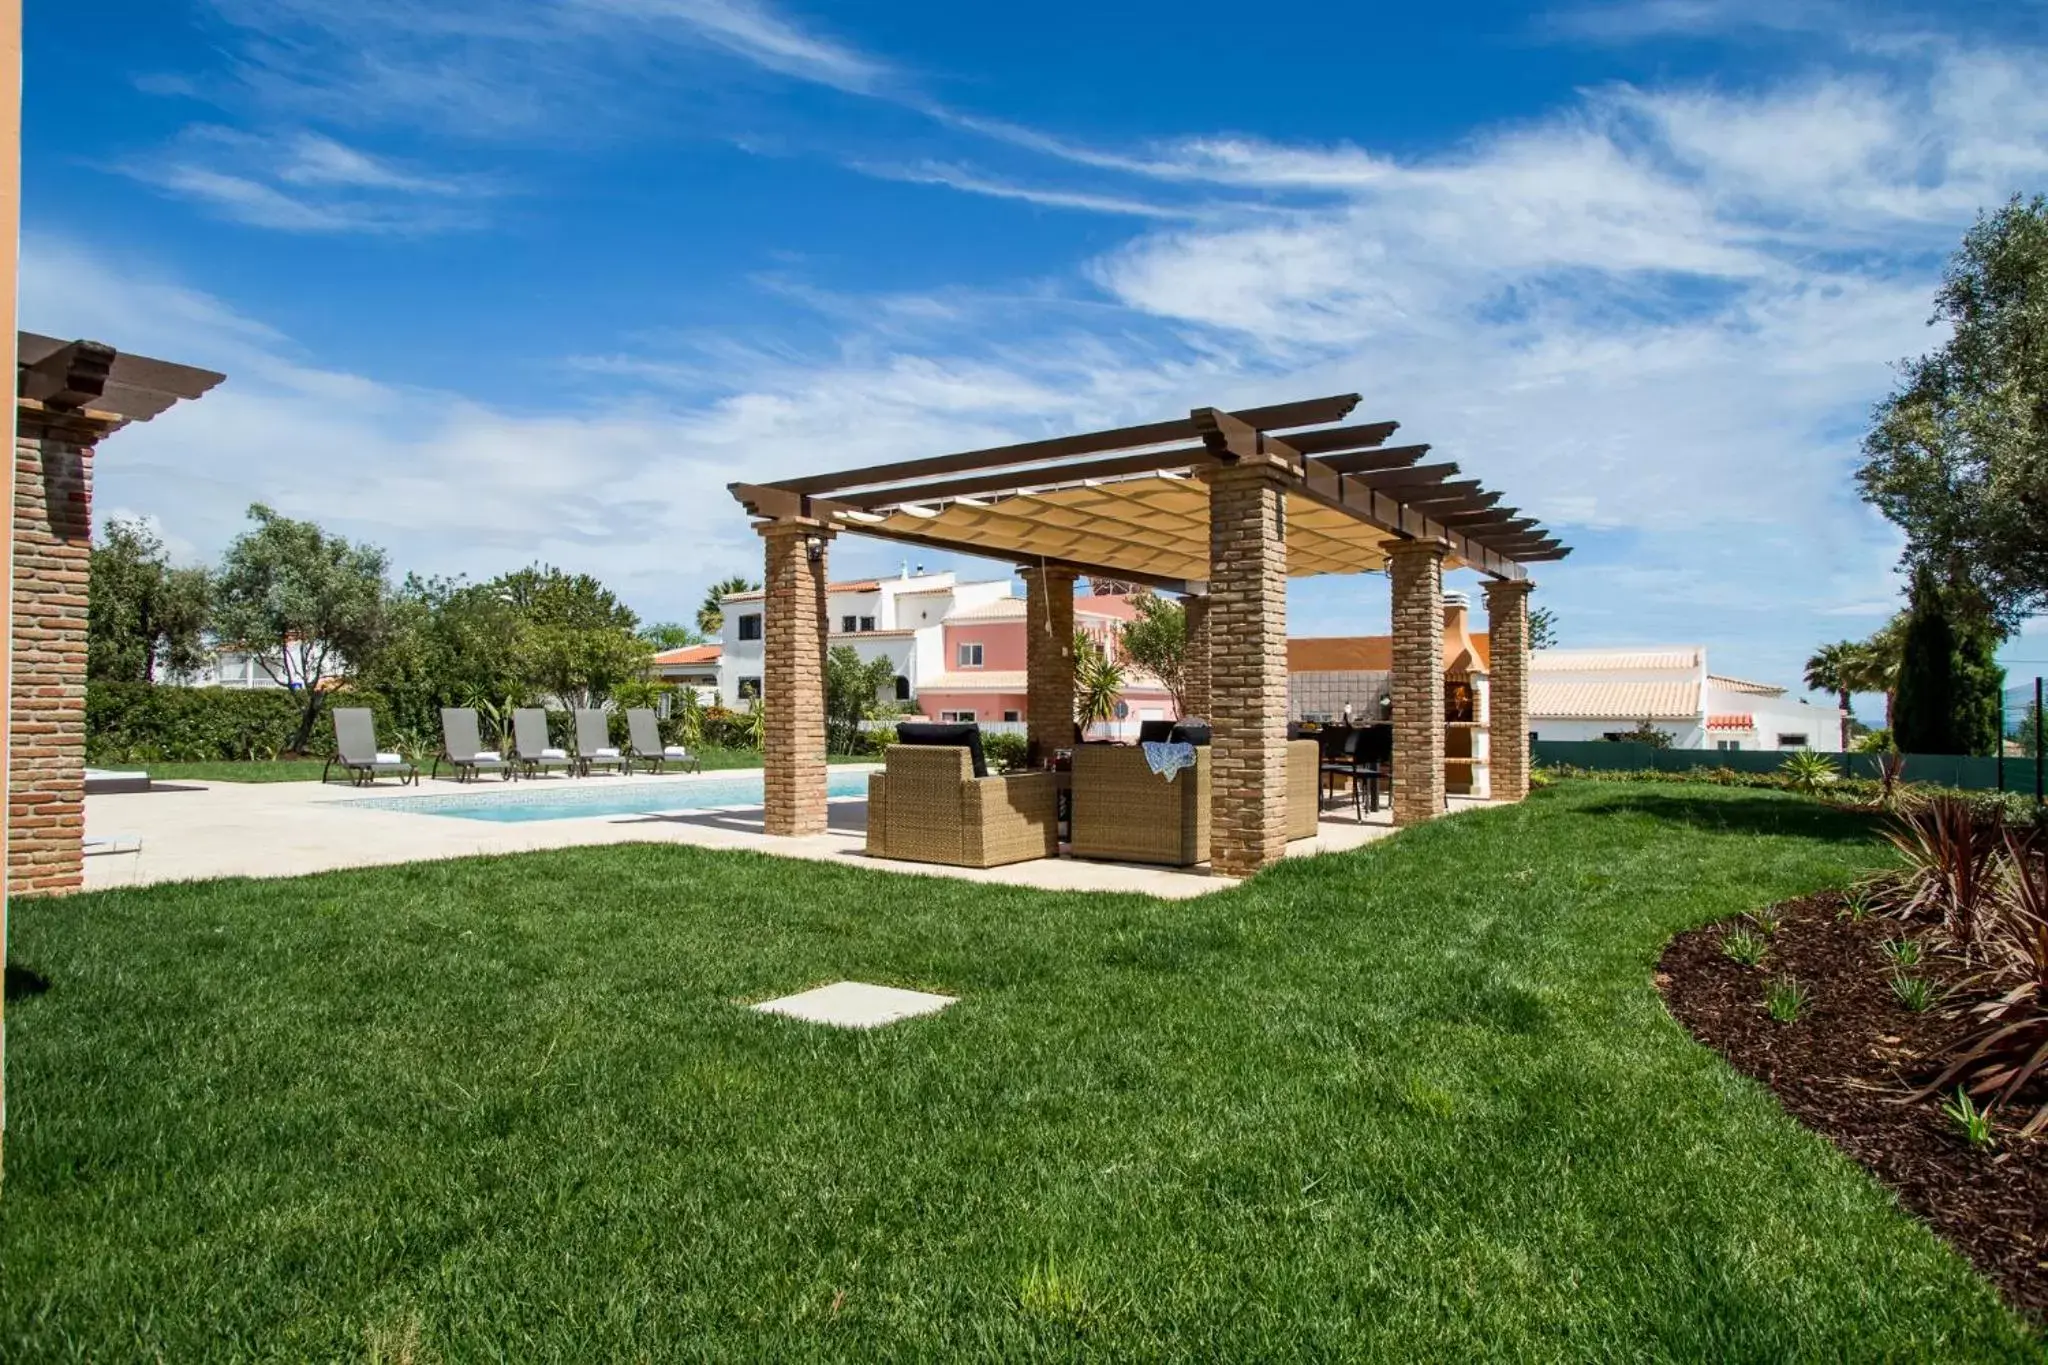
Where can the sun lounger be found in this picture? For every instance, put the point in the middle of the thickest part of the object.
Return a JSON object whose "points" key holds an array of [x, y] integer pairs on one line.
{"points": [[594, 747], [462, 745], [644, 733], [355, 743], [530, 748]]}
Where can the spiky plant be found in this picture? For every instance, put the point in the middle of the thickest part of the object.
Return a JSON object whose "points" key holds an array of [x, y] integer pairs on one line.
{"points": [[1809, 772], [2009, 1046], [1952, 865]]}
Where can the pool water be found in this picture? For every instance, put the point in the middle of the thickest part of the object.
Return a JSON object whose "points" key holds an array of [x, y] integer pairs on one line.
{"points": [[592, 796]]}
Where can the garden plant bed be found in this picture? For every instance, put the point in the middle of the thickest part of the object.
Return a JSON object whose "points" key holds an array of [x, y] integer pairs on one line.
{"points": [[1852, 1054]]}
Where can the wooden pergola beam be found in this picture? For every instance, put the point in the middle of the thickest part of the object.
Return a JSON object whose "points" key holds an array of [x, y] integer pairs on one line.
{"points": [[1372, 461], [1461, 493], [1280, 415], [1332, 439], [1414, 476], [1479, 518], [1015, 480]]}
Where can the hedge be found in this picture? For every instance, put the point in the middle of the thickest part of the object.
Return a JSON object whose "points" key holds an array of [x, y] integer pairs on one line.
{"points": [[146, 723], [143, 723]]}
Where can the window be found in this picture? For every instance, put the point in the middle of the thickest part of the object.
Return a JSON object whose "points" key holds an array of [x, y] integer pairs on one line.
{"points": [[902, 688], [750, 689], [750, 627], [1791, 741], [1012, 717], [867, 623], [1727, 744], [957, 717], [968, 656], [847, 624]]}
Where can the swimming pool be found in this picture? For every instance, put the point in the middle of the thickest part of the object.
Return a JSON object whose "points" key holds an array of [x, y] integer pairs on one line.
{"points": [[593, 797]]}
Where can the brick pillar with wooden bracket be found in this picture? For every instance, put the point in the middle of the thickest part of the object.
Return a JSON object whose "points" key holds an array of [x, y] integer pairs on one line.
{"points": [[793, 632]]}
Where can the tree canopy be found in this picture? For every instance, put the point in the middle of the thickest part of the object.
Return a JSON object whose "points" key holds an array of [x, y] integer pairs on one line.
{"points": [[140, 610], [309, 607], [1958, 454], [711, 612], [1157, 641]]}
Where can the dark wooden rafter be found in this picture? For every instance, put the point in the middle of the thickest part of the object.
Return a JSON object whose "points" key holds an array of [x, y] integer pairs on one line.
{"points": [[1479, 517], [1461, 492], [1373, 461], [1413, 476], [1330, 440], [1012, 480], [1280, 415]]}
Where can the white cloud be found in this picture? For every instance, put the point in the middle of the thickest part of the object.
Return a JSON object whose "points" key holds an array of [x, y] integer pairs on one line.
{"points": [[306, 182], [1656, 318]]}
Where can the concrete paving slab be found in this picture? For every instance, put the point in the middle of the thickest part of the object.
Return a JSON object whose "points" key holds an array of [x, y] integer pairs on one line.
{"points": [[856, 1004], [199, 830]]}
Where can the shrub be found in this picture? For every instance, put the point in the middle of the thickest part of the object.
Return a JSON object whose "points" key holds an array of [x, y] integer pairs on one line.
{"points": [[1005, 752], [1975, 1122], [1952, 864], [1786, 1000], [1903, 952], [1913, 992], [1767, 921], [2010, 1046], [1744, 947], [1809, 772]]}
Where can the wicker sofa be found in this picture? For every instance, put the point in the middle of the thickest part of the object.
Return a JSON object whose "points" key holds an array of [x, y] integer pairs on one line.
{"points": [[1123, 813], [926, 806]]}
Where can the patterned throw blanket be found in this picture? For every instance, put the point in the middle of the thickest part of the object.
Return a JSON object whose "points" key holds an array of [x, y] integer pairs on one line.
{"points": [[1167, 759]]}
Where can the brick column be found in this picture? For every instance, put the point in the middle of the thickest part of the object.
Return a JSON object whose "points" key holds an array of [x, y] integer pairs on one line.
{"points": [[1507, 628], [52, 558], [1247, 667], [793, 676], [1195, 669], [1418, 683], [1048, 662]]}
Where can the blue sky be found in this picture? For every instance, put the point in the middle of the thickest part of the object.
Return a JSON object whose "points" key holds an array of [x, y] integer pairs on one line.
{"points": [[497, 282]]}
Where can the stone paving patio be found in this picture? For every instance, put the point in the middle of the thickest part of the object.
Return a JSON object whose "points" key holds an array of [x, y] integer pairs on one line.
{"points": [[192, 830]]}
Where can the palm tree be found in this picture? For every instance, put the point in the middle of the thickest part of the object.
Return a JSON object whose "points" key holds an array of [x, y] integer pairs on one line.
{"points": [[1098, 681], [711, 613], [1837, 668]]}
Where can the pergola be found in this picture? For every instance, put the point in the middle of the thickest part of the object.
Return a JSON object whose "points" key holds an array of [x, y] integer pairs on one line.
{"points": [[1221, 507]]}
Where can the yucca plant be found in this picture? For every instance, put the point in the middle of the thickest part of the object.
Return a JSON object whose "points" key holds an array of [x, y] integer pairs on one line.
{"points": [[1952, 865], [1809, 772], [2009, 1047], [1891, 766]]}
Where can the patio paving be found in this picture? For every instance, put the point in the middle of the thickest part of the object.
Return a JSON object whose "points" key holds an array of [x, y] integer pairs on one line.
{"points": [[192, 830]]}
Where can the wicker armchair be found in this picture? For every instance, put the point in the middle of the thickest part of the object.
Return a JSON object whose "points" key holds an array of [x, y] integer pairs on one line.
{"points": [[1124, 813], [927, 807]]}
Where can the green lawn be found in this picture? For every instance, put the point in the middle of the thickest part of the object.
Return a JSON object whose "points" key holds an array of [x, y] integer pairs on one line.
{"points": [[1416, 1102], [308, 769]]}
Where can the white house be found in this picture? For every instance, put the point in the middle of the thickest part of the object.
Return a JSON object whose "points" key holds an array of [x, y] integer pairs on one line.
{"points": [[900, 619], [1605, 693]]}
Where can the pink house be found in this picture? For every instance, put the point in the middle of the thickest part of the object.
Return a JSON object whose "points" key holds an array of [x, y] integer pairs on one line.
{"points": [[985, 658]]}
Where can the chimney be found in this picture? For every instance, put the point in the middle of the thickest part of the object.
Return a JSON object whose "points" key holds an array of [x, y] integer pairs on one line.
{"points": [[1460, 655]]}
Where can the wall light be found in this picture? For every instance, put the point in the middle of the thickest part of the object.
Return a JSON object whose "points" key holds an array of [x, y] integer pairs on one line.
{"points": [[814, 548]]}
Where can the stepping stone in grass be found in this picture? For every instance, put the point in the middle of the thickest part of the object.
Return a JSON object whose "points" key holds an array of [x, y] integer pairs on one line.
{"points": [[856, 1004]]}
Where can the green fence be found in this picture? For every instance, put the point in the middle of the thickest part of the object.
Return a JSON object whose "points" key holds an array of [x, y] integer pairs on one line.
{"points": [[1606, 755]]}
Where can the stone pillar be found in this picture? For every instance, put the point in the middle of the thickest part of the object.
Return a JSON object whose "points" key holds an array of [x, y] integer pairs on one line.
{"points": [[1418, 683], [793, 626], [1247, 666], [1195, 669], [1048, 662], [1507, 628], [52, 559]]}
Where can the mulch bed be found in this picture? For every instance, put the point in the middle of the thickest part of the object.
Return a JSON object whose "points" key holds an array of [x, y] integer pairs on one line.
{"points": [[1853, 1053]]}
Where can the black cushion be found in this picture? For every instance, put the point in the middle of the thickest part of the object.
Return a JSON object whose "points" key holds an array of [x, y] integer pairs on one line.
{"points": [[963, 735], [1375, 744], [1154, 731], [1193, 732]]}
